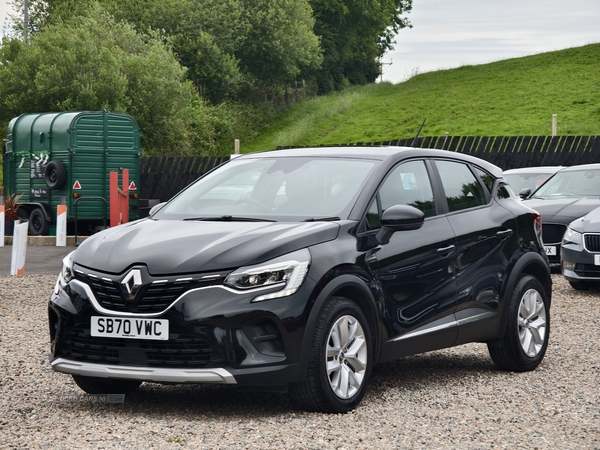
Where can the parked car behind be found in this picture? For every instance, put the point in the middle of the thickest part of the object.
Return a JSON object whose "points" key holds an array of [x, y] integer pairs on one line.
{"points": [[569, 194], [529, 177], [580, 251], [301, 269]]}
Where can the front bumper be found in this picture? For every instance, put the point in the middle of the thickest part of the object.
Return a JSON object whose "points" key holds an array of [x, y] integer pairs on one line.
{"points": [[578, 264], [215, 336], [216, 375]]}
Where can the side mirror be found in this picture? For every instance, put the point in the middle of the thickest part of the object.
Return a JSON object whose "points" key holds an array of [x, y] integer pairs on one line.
{"points": [[399, 218], [525, 192], [156, 208]]}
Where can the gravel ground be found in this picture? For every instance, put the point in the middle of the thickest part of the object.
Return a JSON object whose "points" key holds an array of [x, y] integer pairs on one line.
{"points": [[446, 399]]}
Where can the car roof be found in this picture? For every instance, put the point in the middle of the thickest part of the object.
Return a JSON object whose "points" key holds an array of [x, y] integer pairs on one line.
{"points": [[537, 169], [375, 153], [582, 167]]}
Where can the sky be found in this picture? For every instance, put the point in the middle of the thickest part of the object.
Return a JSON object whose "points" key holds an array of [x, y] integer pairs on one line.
{"points": [[453, 33]]}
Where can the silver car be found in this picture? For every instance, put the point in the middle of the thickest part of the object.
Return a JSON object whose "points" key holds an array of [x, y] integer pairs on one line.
{"points": [[580, 251]]}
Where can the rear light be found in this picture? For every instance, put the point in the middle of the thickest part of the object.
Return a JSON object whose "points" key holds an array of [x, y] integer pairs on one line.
{"points": [[538, 221], [134, 196], [76, 195]]}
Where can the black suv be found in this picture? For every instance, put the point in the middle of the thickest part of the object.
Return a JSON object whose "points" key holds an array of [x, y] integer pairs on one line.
{"points": [[301, 269]]}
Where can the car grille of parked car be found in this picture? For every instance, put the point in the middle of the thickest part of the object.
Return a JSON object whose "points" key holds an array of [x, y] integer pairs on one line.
{"points": [[587, 270], [180, 351], [552, 233], [592, 242], [152, 298]]}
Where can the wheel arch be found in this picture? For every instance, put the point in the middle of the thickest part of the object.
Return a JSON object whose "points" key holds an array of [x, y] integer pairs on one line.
{"points": [[355, 289], [30, 206], [529, 264]]}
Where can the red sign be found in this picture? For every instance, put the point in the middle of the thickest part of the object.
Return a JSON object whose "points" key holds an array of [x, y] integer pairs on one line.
{"points": [[132, 186], [77, 185]]}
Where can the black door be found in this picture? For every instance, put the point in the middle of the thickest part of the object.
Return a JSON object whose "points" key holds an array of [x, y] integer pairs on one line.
{"points": [[415, 269], [486, 237]]}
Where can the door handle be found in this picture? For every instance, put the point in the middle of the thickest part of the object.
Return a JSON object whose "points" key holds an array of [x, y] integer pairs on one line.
{"points": [[445, 251], [504, 233]]}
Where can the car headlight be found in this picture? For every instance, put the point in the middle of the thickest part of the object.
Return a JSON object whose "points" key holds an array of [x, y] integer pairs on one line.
{"points": [[573, 237], [288, 271], [66, 272]]}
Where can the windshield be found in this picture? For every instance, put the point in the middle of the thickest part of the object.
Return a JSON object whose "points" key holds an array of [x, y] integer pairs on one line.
{"points": [[520, 181], [572, 183], [279, 189]]}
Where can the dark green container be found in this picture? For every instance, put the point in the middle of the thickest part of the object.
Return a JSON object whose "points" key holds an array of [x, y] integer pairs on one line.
{"points": [[71, 155]]}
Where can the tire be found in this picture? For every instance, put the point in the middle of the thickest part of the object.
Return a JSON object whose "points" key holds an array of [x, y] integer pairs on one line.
{"points": [[527, 329], [340, 360], [105, 385], [55, 175], [38, 225], [579, 285]]}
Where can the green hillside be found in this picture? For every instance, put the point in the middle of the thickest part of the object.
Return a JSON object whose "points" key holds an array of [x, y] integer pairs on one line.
{"points": [[513, 97]]}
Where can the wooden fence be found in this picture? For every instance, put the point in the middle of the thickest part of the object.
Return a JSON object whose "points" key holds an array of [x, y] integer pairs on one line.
{"points": [[163, 177], [509, 152]]}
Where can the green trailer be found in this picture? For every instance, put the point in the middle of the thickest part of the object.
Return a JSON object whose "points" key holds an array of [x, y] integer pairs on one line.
{"points": [[69, 156]]}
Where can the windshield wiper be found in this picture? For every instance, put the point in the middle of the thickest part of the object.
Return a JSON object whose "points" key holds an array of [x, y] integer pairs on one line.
{"points": [[228, 219], [321, 219]]}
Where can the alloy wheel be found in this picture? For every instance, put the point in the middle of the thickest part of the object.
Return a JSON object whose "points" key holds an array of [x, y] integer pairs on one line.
{"points": [[346, 357], [532, 322]]}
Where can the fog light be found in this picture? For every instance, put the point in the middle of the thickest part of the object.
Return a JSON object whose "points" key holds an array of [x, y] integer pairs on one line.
{"points": [[568, 265]]}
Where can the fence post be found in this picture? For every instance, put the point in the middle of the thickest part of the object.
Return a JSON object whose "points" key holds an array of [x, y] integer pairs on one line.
{"points": [[554, 124]]}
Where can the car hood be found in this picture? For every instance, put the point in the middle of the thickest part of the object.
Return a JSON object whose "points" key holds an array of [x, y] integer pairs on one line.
{"points": [[562, 210], [590, 223], [177, 247]]}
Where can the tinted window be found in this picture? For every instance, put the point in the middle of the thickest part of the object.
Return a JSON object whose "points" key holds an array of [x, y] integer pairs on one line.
{"points": [[409, 184], [486, 178], [462, 189], [373, 221], [503, 193]]}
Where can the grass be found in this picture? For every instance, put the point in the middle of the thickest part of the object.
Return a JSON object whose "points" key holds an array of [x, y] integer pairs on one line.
{"points": [[514, 97]]}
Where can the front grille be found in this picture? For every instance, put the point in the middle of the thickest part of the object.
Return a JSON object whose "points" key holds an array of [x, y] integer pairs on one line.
{"points": [[587, 270], [154, 296], [592, 242], [553, 233], [180, 351]]}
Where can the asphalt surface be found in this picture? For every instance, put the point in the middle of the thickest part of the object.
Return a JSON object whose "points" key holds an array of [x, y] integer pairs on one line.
{"points": [[42, 260]]}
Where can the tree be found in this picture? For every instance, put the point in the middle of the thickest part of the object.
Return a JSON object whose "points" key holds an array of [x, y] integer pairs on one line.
{"points": [[354, 35], [280, 41], [95, 63], [230, 47]]}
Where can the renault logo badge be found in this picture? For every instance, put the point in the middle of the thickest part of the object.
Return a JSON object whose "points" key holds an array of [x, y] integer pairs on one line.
{"points": [[131, 284]]}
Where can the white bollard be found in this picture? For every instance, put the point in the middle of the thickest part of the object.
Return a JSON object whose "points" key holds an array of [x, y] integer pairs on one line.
{"points": [[61, 226], [1, 222], [19, 248]]}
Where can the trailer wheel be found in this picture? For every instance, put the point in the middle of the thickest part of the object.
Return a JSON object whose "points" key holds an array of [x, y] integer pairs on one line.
{"points": [[55, 175], [38, 225]]}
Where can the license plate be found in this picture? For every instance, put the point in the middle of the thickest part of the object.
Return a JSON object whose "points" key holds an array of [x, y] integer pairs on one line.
{"points": [[597, 260], [129, 328], [550, 250]]}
